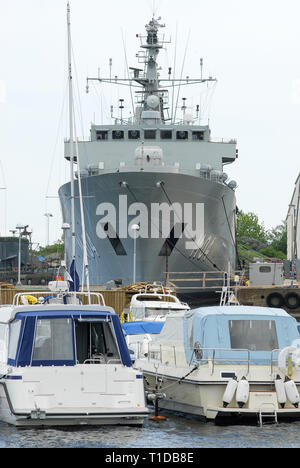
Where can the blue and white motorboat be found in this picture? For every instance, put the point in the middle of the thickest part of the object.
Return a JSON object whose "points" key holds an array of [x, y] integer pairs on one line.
{"points": [[65, 363], [226, 362]]}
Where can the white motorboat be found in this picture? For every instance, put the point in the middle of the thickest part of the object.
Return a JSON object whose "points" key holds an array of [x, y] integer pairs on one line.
{"points": [[155, 304], [148, 312], [65, 363], [226, 362]]}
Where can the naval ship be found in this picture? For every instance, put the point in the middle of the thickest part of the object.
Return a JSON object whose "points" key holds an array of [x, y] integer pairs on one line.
{"points": [[155, 195]]}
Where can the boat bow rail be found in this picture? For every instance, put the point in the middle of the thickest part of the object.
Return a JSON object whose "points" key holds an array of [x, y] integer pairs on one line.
{"points": [[69, 297]]}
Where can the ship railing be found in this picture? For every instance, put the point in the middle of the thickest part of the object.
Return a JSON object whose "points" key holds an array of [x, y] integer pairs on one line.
{"points": [[231, 141], [55, 298], [171, 355], [204, 279]]}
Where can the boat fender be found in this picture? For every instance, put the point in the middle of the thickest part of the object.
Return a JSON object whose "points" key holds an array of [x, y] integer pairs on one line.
{"points": [[291, 391], [145, 345], [230, 391], [280, 391], [283, 356], [242, 392]]}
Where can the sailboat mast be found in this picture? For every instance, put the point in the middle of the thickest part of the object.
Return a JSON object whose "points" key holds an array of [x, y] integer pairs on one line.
{"points": [[70, 77], [74, 145]]}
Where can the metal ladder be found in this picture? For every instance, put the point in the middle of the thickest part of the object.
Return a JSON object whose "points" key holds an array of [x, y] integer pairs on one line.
{"points": [[267, 413]]}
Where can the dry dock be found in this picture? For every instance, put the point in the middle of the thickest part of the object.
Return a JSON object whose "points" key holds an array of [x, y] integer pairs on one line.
{"points": [[284, 297]]}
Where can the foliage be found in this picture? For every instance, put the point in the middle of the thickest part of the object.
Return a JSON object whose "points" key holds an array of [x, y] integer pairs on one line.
{"points": [[56, 248], [278, 238], [272, 253], [250, 230], [248, 225]]}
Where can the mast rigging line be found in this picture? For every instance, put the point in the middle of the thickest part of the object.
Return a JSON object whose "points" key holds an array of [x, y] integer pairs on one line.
{"points": [[175, 247], [182, 69], [233, 240], [127, 69]]}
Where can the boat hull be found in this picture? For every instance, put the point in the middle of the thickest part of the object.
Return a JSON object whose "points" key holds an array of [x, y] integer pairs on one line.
{"points": [[110, 260], [203, 399], [73, 396]]}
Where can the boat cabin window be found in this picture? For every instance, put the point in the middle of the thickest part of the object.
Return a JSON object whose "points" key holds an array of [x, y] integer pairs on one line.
{"points": [[182, 135], [95, 343], [150, 134], [133, 134], [102, 135], [53, 340], [198, 136], [14, 333], [118, 135], [255, 335], [166, 134], [156, 298]]}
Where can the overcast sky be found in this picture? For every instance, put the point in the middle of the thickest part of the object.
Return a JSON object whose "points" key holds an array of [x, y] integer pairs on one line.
{"points": [[252, 47]]}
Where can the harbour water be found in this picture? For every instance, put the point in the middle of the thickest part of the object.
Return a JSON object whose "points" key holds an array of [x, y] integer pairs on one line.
{"points": [[176, 432]]}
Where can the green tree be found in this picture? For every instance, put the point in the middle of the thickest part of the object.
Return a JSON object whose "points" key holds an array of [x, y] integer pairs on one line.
{"points": [[277, 238], [248, 225]]}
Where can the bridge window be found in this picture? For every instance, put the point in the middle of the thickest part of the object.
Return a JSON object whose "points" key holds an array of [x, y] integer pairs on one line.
{"points": [[118, 135], [102, 135], [150, 134], [182, 135], [198, 136], [133, 134], [166, 134]]}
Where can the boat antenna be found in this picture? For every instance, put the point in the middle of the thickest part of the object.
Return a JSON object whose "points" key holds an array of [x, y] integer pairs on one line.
{"points": [[174, 73], [182, 69], [127, 71], [71, 122], [72, 133]]}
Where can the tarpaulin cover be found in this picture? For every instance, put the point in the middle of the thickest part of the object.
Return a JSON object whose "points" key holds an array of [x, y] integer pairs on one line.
{"points": [[209, 328], [139, 328]]}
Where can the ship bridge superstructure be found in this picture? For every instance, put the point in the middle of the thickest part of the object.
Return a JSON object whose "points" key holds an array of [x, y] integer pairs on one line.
{"points": [[186, 146]]}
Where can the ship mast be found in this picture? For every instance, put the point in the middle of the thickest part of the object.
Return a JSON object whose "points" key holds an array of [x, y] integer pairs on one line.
{"points": [[153, 91]]}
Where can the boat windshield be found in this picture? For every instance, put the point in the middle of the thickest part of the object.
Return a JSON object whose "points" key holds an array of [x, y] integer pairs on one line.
{"points": [[94, 342]]}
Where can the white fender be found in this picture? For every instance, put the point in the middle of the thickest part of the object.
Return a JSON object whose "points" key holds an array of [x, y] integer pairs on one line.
{"points": [[280, 390], [291, 391], [229, 392], [242, 392], [283, 356], [145, 345]]}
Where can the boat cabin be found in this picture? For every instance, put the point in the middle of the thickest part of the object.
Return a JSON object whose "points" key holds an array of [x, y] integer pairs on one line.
{"points": [[231, 334], [65, 335]]}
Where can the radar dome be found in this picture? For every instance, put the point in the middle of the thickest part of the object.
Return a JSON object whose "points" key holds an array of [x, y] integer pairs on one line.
{"points": [[152, 101]]}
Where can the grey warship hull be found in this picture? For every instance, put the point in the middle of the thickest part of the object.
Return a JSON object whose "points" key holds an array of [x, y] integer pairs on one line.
{"points": [[112, 257]]}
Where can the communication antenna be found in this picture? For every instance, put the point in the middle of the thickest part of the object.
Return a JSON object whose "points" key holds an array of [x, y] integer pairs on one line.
{"points": [[110, 69]]}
